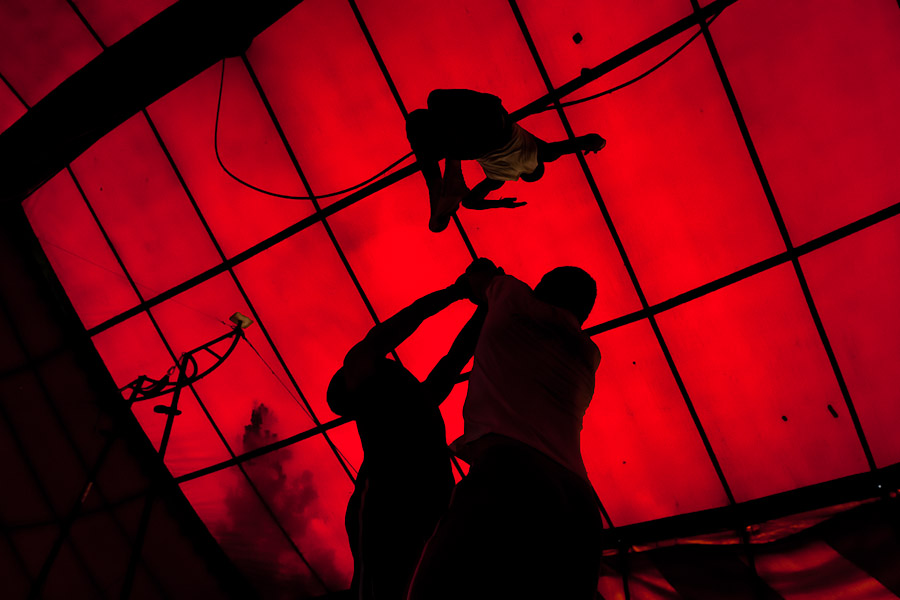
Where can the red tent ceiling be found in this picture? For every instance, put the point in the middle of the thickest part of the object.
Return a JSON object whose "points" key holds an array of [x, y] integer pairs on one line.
{"points": [[746, 304]]}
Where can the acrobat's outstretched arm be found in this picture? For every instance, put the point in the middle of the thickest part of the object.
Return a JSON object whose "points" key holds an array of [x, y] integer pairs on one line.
{"points": [[360, 361], [475, 199]]}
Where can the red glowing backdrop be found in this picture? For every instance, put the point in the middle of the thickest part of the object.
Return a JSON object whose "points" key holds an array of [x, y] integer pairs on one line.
{"points": [[740, 225]]}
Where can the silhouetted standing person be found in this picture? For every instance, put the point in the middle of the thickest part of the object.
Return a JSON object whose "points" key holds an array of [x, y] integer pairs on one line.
{"points": [[467, 125], [524, 523], [405, 481]]}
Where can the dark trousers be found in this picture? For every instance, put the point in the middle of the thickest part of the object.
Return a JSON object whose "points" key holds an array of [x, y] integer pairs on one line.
{"points": [[388, 521], [519, 526]]}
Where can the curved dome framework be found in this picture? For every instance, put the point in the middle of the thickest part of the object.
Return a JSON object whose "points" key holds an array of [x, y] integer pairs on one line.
{"points": [[741, 224]]}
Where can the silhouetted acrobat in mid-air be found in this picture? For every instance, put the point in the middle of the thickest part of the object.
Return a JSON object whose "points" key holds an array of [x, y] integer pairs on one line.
{"points": [[404, 483], [467, 125], [524, 522]]}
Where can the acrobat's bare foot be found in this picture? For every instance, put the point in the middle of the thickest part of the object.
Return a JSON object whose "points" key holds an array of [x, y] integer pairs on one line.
{"points": [[591, 142], [443, 208]]}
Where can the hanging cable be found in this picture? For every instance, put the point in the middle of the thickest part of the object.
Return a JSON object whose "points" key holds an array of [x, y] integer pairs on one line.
{"points": [[630, 81], [400, 160], [276, 194]]}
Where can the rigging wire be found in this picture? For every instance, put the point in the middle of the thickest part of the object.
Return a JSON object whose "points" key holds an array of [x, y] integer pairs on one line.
{"points": [[276, 194], [400, 160], [631, 81], [300, 404], [274, 374]]}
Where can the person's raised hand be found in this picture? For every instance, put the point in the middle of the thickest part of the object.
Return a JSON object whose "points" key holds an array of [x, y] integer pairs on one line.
{"points": [[479, 275]]}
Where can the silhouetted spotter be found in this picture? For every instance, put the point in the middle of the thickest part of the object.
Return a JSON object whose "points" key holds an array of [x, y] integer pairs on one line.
{"points": [[405, 481]]}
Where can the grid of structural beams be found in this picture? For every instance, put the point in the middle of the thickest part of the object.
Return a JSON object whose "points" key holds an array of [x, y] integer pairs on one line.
{"points": [[323, 563]]}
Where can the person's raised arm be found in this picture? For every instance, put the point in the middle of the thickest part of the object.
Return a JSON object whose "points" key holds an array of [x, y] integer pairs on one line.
{"points": [[445, 374], [386, 336]]}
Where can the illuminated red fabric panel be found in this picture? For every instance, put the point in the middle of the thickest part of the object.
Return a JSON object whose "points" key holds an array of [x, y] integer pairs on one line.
{"points": [[143, 208], [856, 286], [474, 45], [10, 108], [310, 502], [325, 86], [195, 317], [113, 20], [397, 259], [675, 176], [313, 331], [606, 27], [643, 454], [249, 535], [759, 378], [249, 147], [78, 252], [819, 90], [42, 42]]}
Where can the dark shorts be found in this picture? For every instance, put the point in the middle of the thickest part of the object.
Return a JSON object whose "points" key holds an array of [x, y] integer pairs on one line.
{"points": [[519, 526]]}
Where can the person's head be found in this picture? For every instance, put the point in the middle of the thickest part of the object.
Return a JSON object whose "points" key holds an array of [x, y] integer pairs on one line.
{"points": [[534, 175], [420, 131], [390, 379], [570, 288]]}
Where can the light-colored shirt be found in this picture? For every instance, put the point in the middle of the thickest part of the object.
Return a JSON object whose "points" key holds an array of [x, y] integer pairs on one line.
{"points": [[533, 376], [518, 156]]}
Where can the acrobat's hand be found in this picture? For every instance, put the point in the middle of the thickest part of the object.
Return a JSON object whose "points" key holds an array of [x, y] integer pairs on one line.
{"points": [[473, 204], [506, 203], [591, 143]]}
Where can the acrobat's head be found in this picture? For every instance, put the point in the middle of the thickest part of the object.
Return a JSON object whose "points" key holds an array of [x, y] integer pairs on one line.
{"points": [[534, 175], [570, 288]]}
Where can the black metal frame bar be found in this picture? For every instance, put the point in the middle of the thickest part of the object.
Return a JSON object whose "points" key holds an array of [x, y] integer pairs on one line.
{"points": [[151, 496], [183, 364], [791, 255], [592, 184], [580, 81], [782, 228]]}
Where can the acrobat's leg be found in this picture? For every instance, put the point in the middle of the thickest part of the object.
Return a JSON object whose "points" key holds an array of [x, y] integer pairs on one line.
{"points": [[454, 182], [592, 142], [453, 190]]}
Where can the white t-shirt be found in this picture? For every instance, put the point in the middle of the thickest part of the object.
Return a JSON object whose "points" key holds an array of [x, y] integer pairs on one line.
{"points": [[533, 376], [518, 156]]}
